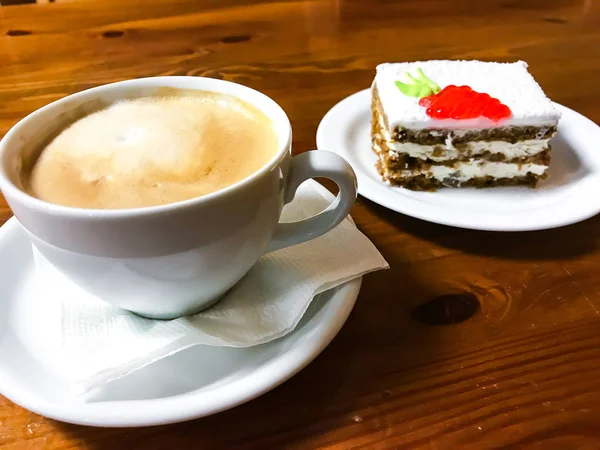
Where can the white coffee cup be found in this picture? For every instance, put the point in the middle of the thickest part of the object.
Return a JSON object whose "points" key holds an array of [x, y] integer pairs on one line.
{"points": [[175, 259]]}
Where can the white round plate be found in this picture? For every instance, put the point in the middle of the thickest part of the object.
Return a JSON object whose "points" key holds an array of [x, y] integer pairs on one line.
{"points": [[193, 383], [569, 194]]}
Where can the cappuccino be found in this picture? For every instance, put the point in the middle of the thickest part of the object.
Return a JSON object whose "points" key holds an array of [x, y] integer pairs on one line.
{"points": [[152, 151]]}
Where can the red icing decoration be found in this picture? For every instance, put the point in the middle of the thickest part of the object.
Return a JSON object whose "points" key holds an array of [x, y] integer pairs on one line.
{"points": [[462, 102]]}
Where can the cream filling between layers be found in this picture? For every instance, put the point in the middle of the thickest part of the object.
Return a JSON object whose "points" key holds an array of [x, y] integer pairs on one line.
{"points": [[466, 171]]}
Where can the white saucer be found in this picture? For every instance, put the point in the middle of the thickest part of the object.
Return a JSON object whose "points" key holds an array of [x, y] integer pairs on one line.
{"points": [[193, 383], [568, 195]]}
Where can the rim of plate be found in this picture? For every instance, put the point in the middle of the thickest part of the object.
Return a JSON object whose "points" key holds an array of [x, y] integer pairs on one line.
{"points": [[384, 195], [324, 326]]}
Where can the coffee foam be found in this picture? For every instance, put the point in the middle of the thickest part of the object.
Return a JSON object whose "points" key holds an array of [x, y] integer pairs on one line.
{"points": [[153, 150]]}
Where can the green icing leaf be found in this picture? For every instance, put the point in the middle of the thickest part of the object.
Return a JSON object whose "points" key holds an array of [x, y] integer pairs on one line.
{"points": [[412, 90], [434, 87], [419, 87]]}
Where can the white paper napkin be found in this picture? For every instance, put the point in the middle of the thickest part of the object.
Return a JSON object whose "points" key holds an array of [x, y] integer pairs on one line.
{"points": [[103, 343]]}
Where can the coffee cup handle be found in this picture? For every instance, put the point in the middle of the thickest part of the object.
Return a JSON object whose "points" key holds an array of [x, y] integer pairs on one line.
{"points": [[312, 164]]}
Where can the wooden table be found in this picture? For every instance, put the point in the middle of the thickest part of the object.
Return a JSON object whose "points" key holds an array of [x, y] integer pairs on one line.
{"points": [[471, 339]]}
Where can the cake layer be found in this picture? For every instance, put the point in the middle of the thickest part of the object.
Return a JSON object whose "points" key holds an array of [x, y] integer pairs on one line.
{"points": [[485, 149], [509, 82], [424, 183], [511, 134]]}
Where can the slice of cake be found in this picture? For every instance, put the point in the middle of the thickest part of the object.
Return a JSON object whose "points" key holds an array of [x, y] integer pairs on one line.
{"points": [[460, 123]]}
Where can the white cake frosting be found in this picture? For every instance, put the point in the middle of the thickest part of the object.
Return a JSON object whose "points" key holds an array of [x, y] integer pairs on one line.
{"points": [[510, 83]]}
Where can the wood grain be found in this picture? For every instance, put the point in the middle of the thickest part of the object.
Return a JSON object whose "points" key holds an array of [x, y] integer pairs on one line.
{"points": [[520, 371]]}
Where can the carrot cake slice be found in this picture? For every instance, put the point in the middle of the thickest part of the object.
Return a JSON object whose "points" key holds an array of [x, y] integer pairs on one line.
{"points": [[460, 123]]}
